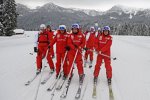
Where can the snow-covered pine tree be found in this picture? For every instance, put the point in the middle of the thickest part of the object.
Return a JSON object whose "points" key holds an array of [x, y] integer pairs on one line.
{"points": [[1, 29], [1, 15], [9, 17]]}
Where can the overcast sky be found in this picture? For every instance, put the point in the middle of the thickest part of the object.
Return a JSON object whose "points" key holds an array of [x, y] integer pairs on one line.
{"points": [[88, 4]]}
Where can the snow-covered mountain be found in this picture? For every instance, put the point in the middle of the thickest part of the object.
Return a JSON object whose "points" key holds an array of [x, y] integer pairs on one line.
{"points": [[123, 9], [89, 11], [132, 12], [49, 13], [55, 15]]}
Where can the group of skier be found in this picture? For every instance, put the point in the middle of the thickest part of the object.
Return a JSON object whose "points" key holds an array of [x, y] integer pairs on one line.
{"points": [[70, 47]]}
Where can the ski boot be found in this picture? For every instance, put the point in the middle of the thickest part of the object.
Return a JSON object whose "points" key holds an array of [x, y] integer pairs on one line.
{"points": [[58, 76], [90, 64], [95, 80], [38, 71], [85, 62], [52, 71], [81, 78], [109, 81], [64, 77], [53, 56]]}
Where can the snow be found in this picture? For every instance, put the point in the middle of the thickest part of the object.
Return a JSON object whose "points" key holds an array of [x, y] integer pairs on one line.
{"points": [[113, 17], [131, 71], [19, 31], [90, 12], [130, 16]]}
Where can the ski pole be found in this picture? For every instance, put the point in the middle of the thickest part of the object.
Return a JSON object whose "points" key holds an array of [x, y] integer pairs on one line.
{"points": [[85, 89], [41, 76], [59, 74], [72, 64], [71, 70], [114, 58]]}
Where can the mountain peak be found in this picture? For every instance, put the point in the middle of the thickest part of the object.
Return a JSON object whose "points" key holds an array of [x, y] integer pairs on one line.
{"points": [[51, 5]]}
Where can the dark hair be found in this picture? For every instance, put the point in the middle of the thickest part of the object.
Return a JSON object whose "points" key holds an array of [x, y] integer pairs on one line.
{"points": [[48, 26]]}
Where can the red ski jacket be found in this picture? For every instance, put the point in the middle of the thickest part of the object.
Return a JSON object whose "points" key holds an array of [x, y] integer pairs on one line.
{"points": [[61, 42], [103, 44], [90, 43], [76, 40]]}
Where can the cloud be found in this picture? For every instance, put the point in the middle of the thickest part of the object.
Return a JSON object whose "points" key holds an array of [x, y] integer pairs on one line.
{"points": [[88, 4]]}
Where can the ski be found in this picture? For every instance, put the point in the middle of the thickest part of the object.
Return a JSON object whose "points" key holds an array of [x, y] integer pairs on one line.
{"points": [[111, 96], [30, 81], [60, 84], [47, 78], [78, 94], [94, 90], [84, 91], [65, 91], [52, 85]]}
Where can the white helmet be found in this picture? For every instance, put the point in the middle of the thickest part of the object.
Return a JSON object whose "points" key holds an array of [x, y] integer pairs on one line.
{"points": [[99, 29], [42, 26], [92, 29], [62, 27]]}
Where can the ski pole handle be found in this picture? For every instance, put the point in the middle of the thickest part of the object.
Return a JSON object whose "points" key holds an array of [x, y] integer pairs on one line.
{"points": [[114, 58]]}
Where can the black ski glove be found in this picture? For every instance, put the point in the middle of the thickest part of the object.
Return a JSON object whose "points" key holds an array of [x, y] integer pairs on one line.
{"points": [[35, 49], [85, 49], [49, 47], [67, 48]]}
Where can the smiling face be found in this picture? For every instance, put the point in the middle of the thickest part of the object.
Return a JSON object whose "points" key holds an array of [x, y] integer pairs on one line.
{"points": [[62, 31], [74, 30], [99, 31], [106, 32], [49, 29]]}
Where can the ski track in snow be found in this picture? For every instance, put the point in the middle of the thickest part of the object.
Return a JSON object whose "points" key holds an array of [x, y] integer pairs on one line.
{"points": [[130, 81]]}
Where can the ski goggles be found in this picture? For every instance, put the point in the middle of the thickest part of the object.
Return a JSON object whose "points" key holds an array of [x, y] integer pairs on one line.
{"points": [[62, 28], [75, 26]]}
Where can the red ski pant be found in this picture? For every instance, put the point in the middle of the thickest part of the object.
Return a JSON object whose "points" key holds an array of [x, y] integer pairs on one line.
{"points": [[52, 51], [89, 53], [78, 61], [41, 54], [60, 58], [107, 66]]}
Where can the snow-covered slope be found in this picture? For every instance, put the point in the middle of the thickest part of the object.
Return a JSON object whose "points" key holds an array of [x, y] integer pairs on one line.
{"points": [[119, 9], [89, 11], [130, 81]]}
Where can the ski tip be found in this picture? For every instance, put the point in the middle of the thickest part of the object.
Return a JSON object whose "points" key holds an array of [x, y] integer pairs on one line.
{"points": [[94, 97], [62, 96], [77, 98], [57, 89], [49, 89], [114, 58], [27, 83], [42, 83]]}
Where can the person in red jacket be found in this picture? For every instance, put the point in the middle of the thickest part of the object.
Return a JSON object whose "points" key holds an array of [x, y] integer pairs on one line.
{"points": [[61, 43], [52, 35], [76, 40], [99, 32], [43, 41], [90, 42], [103, 46]]}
